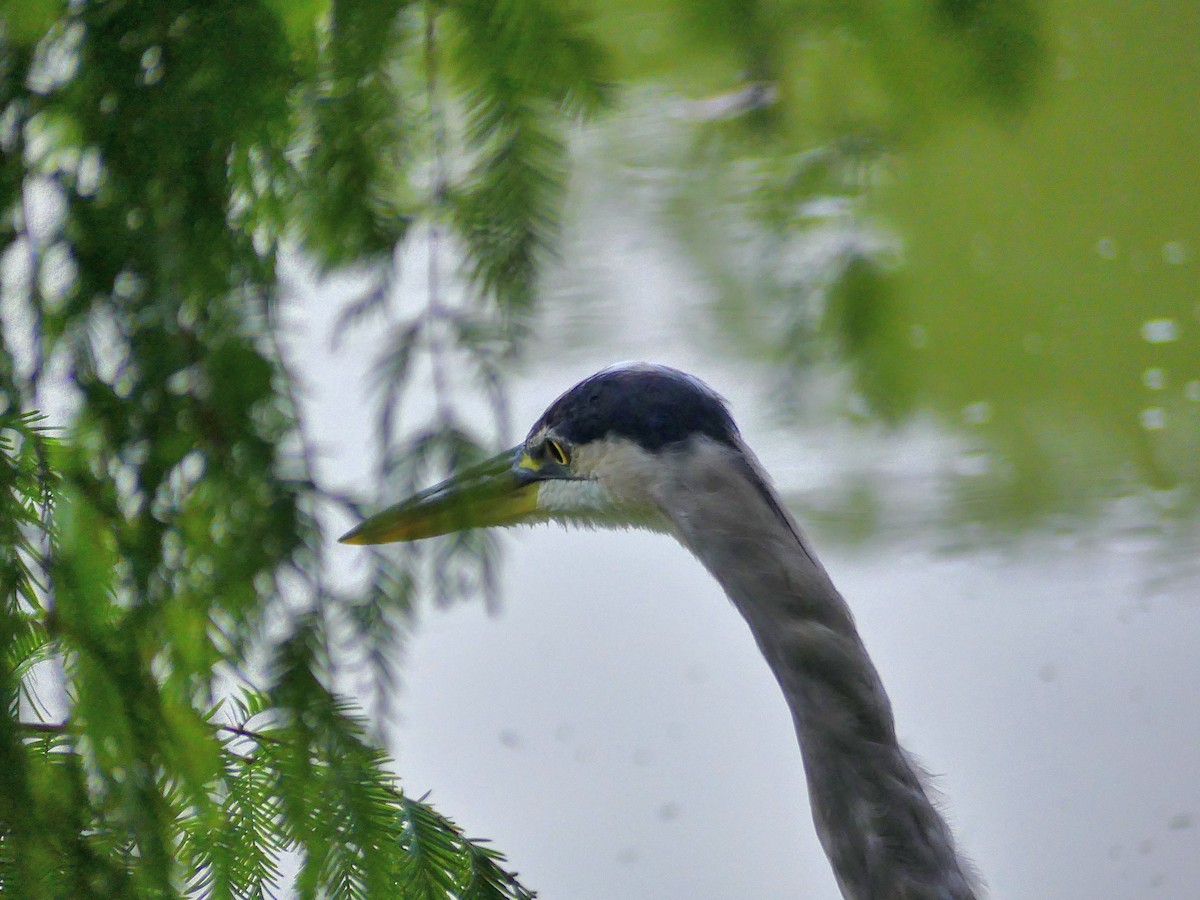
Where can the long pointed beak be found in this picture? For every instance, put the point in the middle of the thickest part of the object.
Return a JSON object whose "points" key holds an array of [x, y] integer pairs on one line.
{"points": [[500, 491]]}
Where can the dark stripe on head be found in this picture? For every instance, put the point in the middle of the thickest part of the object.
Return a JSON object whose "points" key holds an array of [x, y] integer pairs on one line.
{"points": [[653, 406]]}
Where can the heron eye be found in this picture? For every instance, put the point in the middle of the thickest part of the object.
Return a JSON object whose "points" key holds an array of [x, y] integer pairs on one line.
{"points": [[557, 452]]}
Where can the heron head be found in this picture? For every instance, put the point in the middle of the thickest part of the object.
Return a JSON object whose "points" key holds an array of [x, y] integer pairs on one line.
{"points": [[600, 455]]}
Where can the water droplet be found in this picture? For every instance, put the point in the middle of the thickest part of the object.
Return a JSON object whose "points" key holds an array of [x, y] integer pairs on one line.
{"points": [[1192, 391], [917, 336], [1153, 418], [1160, 331], [1155, 379], [1106, 247], [1174, 253]]}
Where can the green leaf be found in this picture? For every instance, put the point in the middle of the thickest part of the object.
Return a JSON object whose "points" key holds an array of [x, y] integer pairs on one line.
{"points": [[27, 21]]}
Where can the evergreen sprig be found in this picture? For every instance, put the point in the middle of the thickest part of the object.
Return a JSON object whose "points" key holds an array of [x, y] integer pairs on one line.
{"points": [[522, 65], [172, 637]]}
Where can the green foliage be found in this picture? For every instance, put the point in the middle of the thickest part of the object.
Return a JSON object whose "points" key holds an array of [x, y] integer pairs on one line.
{"points": [[800, 113], [163, 560], [882, 68], [511, 111], [353, 131]]}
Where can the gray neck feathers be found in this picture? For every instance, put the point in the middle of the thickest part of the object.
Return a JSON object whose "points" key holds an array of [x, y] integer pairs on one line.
{"points": [[884, 837]]}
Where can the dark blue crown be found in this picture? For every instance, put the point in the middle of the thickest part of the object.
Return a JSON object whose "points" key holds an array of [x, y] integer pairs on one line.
{"points": [[654, 406]]}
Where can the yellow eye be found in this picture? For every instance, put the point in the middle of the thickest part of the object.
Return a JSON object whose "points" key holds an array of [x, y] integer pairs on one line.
{"points": [[557, 452]]}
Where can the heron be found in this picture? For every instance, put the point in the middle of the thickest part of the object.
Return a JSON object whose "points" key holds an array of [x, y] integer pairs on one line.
{"points": [[650, 447]]}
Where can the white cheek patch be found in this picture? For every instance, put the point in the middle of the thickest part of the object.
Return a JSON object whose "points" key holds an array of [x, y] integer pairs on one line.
{"points": [[559, 498], [589, 503]]}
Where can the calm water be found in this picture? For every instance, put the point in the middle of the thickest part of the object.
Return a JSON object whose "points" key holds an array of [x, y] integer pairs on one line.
{"points": [[1001, 470]]}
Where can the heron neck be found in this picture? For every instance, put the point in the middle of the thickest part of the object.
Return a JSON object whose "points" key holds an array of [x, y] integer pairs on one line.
{"points": [[883, 836]]}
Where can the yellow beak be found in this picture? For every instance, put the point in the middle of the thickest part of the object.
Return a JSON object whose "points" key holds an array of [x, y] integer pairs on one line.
{"points": [[500, 491]]}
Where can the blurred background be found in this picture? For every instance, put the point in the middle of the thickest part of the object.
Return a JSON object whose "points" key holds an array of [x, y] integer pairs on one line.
{"points": [[942, 259], [944, 269]]}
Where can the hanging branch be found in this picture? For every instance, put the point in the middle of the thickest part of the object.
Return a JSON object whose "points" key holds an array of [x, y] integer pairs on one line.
{"points": [[183, 555]]}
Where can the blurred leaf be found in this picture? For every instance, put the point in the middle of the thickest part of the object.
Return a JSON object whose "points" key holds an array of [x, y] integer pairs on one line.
{"points": [[26, 21], [521, 64], [301, 18], [863, 312]]}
